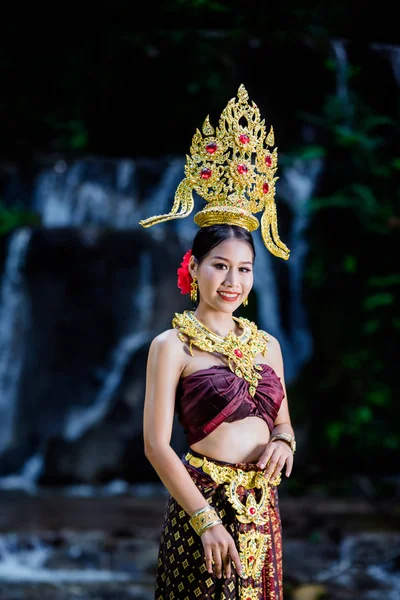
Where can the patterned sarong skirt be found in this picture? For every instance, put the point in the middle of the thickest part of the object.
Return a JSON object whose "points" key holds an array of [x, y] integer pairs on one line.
{"points": [[248, 505]]}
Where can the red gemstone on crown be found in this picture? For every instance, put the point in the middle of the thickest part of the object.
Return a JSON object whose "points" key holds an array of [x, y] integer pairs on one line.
{"points": [[244, 138], [251, 558], [205, 173], [238, 353], [268, 161], [211, 147], [252, 510], [242, 169], [265, 188]]}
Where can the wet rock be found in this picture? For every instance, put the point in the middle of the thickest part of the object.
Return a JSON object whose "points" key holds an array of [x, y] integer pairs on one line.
{"points": [[310, 592]]}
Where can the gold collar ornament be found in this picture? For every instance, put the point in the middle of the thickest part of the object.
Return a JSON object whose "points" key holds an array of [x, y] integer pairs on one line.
{"points": [[233, 169], [240, 350]]}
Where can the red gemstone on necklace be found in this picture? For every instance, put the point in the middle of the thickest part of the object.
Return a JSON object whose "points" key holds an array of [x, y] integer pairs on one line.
{"points": [[268, 161], [251, 558], [252, 510], [238, 353], [244, 138], [205, 174], [265, 188], [242, 169], [211, 147]]}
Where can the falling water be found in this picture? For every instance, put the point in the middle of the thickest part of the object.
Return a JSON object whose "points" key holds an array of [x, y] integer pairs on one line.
{"points": [[371, 553], [91, 192], [342, 90], [14, 321], [393, 54], [27, 562], [296, 189], [81, 418]]}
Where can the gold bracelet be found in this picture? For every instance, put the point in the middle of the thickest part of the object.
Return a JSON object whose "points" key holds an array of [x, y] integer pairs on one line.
{"points": [[204, 518], [285, 437], [216, 522]]}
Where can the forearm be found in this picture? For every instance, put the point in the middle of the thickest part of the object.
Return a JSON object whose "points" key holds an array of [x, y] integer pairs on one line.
{"points": [[282, 428], [176, 479]]}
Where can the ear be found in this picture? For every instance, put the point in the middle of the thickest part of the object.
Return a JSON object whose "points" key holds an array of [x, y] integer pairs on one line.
{"points": [[192, 266]]}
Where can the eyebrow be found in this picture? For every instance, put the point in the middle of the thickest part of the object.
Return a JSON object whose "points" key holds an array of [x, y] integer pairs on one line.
{"points": [[243, 262]]}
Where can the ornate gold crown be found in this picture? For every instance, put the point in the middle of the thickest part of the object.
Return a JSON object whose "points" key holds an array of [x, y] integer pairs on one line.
{"points": [[221, 169]]}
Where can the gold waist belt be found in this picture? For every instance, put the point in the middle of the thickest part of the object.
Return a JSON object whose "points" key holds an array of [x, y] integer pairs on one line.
{"points": [[253, 544]]}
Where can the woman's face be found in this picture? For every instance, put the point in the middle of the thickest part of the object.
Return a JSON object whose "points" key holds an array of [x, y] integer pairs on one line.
{"points": [[225, 276]]}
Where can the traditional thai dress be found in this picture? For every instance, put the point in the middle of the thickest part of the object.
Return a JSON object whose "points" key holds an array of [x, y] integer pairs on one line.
{"points": [[244, 499]]}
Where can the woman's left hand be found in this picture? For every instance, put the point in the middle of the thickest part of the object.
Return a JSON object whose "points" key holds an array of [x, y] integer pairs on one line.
{"points": [[275, 456]]}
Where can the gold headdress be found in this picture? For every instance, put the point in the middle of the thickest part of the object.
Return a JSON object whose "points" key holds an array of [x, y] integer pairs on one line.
{"points": [[221, 170]]}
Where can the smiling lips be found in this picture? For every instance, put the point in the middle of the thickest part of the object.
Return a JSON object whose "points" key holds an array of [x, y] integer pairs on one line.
{"points": [[229, 296]]}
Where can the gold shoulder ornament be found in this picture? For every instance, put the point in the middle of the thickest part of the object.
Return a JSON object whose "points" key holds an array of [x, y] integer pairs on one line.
{"points": [[233, 169], [240, 350]]}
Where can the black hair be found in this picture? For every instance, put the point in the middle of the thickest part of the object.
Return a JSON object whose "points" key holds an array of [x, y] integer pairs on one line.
{"points": [[208, 237]]}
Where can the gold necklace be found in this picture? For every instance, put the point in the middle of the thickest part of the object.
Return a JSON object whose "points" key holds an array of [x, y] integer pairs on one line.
{"points": [[239, 350]]}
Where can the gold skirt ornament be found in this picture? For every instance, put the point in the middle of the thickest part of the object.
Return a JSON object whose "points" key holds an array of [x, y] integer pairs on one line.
{"points": [[248, 505]]}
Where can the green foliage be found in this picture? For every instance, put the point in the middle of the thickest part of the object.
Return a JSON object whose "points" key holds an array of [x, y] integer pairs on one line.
{"points": [[11, 218], [353, 284], [70, 135]]}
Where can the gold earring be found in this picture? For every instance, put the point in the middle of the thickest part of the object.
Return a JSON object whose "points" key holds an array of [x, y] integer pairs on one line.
{"points": [[246, 301], [193, 290]]}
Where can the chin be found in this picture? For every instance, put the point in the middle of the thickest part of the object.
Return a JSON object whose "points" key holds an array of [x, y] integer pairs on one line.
{"points": [[227, 307]]}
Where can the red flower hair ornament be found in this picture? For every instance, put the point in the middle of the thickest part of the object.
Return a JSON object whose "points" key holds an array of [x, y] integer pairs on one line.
{"points": [[184, 276]]}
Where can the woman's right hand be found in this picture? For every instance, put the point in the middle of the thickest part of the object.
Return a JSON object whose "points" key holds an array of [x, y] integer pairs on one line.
{"points": [[219, 546]]}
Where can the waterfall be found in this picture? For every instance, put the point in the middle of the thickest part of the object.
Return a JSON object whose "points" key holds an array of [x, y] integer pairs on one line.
{"points": [[92, 194], [81, 418], [342, 90], [393, 54], [91, 191], [27, 560], [296, 189], [14, 321]]}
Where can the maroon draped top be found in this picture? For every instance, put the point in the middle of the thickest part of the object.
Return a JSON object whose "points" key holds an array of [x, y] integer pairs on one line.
{"points": [[212, 396]]}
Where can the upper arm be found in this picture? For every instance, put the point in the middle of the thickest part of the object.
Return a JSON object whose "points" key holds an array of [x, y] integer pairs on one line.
{"points": [[165, 363], [275, 359]]}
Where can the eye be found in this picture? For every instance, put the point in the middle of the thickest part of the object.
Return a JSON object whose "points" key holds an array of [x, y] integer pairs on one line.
{"points": [[245, 269], [219, 265]]}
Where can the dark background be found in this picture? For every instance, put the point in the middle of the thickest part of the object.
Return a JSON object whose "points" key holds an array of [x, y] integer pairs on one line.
{"points": [[112, 81]]}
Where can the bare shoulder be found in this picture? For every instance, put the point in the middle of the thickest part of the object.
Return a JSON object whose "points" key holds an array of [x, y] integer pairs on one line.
{"points": [[274, 352], [167, 347], [273, 344]]}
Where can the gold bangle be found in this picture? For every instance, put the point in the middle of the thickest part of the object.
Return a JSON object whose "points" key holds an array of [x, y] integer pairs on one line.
{"points": [[209, 525], [285, 437], [203, 518]]}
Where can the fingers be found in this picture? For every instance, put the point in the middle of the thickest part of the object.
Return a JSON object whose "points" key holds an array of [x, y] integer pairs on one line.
{"points": [[289, 465], [272, 464], [278, 467], [217, 562], [276, 464], [227, 564], [209, 559], [265, 457], [235, 558]]}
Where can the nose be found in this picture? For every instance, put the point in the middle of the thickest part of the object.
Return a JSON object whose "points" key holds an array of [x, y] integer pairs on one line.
{"points": [[231, 279]]}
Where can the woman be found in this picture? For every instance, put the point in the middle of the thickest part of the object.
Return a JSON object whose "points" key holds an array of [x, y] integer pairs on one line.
{"points": [[222, 534]]}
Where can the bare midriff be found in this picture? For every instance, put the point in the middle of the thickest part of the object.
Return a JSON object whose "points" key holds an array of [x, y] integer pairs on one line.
{"points": [[240, 441]]}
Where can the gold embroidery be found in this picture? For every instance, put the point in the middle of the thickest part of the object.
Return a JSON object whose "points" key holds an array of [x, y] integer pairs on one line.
{"points": [[249, 593], [253, 511], [253, 547]]}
